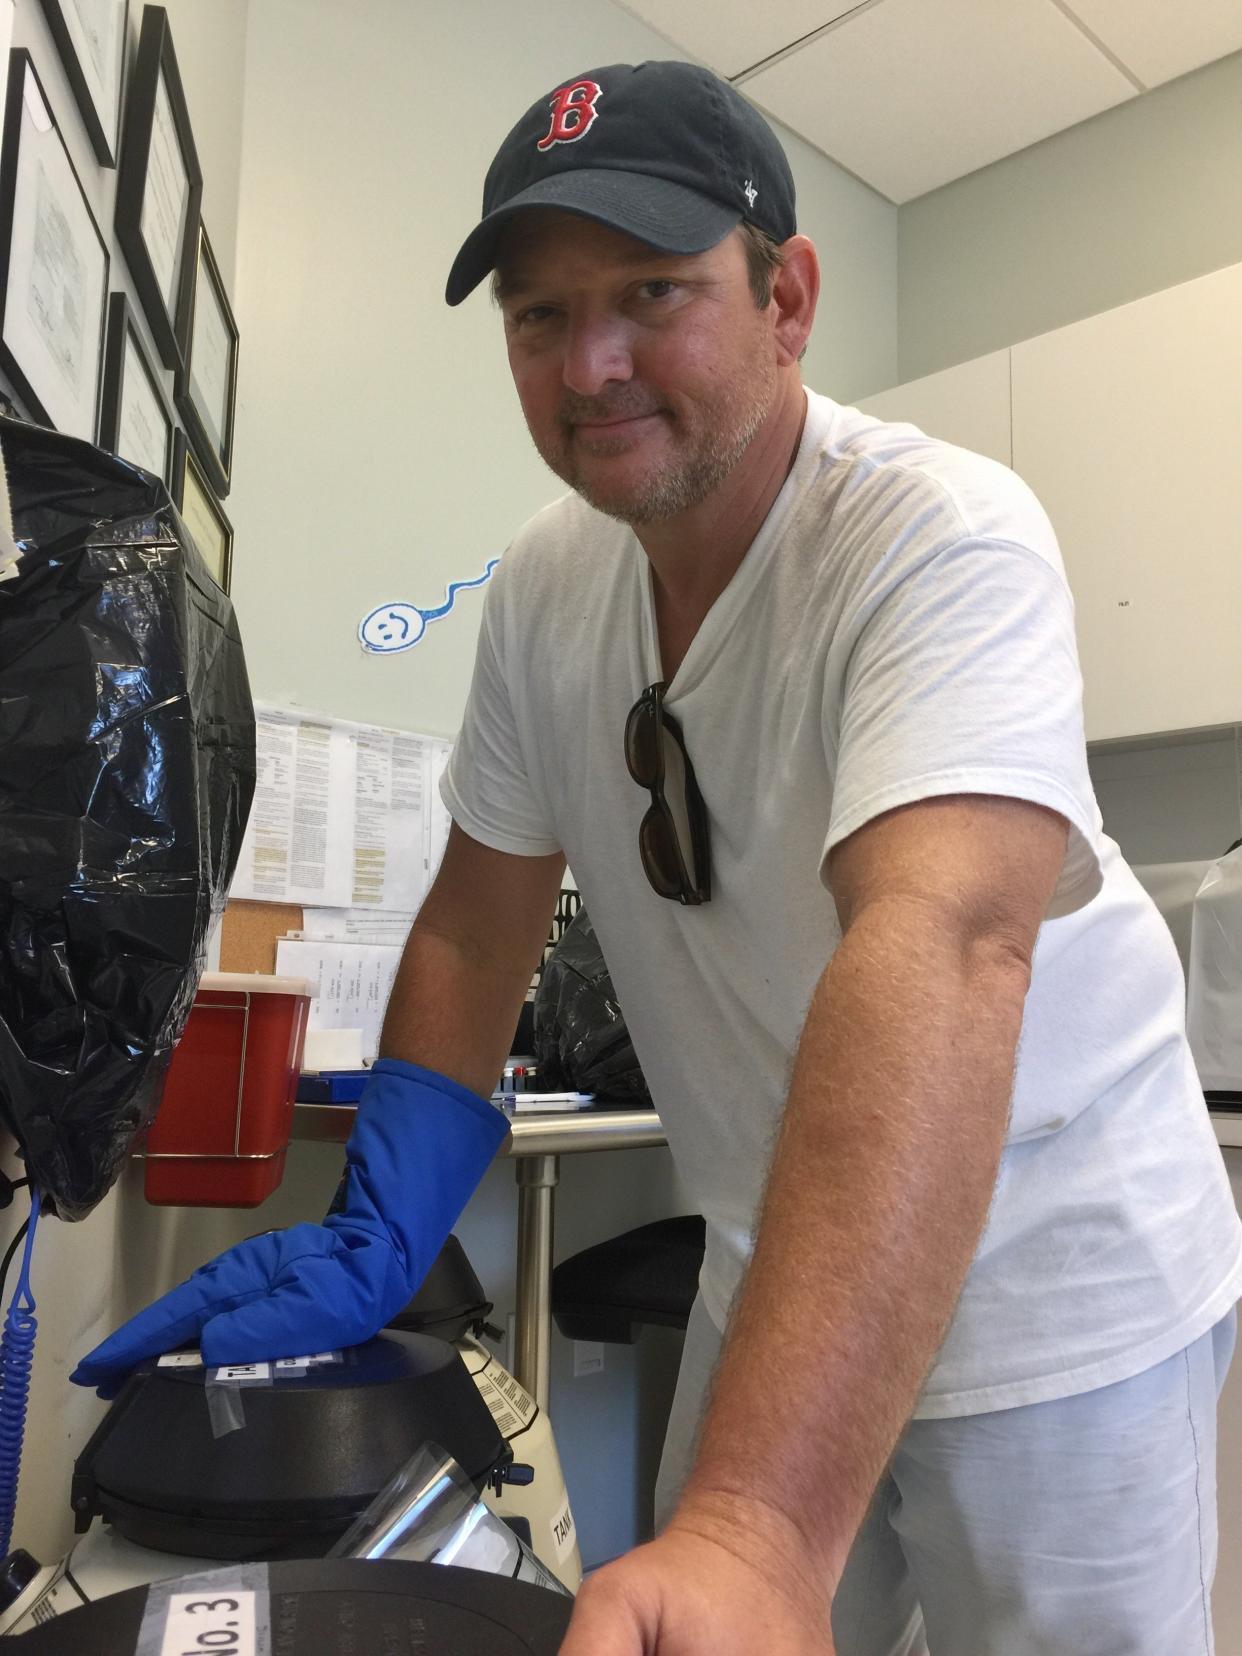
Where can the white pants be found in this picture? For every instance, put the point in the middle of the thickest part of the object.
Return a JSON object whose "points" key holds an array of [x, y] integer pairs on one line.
{"points": [[1080, 1527]]}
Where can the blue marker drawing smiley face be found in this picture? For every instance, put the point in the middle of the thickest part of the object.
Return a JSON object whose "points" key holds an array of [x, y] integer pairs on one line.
{"points": [[391, 628]]}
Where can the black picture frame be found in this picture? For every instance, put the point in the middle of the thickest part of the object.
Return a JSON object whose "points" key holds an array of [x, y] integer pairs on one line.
{"points": [[105, 137], [20, 65], [123, 338], [213, 447], [155, 86], [192, 494]]}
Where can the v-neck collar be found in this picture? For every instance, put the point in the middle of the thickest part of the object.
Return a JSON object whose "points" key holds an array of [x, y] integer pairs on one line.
{"points": [[721, 618]]}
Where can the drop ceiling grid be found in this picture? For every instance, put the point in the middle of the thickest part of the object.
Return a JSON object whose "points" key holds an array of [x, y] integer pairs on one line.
{"points": [[1159, 39], [733, 35], [910, 94]]}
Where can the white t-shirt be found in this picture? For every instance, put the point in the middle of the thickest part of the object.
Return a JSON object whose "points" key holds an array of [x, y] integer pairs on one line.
{"points": [[900, 628]]}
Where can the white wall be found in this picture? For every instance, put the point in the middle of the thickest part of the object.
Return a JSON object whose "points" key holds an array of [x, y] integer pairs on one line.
{"points": [[380, 449]]}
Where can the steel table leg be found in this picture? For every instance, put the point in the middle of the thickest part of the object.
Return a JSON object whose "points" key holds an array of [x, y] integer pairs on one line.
{"points": [[537, 1178]]}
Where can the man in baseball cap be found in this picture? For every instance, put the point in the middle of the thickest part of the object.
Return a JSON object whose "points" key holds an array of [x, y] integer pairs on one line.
{"points": [[795, 693]]}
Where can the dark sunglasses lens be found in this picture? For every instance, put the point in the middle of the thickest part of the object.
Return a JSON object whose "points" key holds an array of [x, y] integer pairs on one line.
{"points": [[661, 860], [642, 745]]}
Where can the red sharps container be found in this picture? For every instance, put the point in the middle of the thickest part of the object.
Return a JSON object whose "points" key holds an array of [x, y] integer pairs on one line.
{"points": [[223, 1125]]}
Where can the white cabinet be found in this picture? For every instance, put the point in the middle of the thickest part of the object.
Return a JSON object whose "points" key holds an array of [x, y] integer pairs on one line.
{"points": [[1128, 426], [967, 405]]}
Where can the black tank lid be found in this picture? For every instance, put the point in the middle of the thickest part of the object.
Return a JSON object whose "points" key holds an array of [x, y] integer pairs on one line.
{"points": [[336, 1607], [278, 1467], [450, 1301]]}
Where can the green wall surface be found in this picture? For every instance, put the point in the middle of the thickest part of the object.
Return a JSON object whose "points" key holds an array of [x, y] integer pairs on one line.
{"points": [[1141, 197]]}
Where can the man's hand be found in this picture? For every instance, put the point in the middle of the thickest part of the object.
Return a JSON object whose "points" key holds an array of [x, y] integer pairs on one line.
{"points": [[686, 1594]]}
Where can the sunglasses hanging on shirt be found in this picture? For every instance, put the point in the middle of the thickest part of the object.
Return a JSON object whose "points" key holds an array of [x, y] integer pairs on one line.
{"points": [[673, 837]]}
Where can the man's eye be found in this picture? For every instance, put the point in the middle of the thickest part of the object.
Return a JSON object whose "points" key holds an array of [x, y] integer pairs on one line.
{"points": [[658, 289], [532, 315]]}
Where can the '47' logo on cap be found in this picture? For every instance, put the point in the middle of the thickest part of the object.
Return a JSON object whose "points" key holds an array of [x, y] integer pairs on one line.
{"points": [[573, 111]]}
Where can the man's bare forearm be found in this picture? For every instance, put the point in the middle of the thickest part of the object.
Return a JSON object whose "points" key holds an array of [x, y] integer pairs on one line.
{"points": [[877, 1195], [447, 1009], [468, 962]]}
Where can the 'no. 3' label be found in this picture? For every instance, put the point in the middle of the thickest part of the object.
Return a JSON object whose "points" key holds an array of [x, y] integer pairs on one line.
{"points": [[210, 1624]]}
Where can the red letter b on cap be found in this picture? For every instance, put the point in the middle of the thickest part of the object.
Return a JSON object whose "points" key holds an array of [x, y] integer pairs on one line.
{"points": [[573, 111]]}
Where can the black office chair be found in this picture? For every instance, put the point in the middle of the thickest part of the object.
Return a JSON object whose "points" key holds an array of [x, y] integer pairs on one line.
{"points": [[648, 1275]]}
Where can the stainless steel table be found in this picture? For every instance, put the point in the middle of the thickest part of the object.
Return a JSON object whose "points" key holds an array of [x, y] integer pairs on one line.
{"points": [[536, 1143]]}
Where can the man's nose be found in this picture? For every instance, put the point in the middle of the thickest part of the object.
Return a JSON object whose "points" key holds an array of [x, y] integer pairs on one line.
{"points": [[597, 354]]}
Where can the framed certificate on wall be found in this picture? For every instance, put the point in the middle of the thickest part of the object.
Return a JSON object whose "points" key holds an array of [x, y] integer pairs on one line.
{"points": [[90, 37], [135, 421], [206, 388], [159, 187], [201, 513], [53, 265]]}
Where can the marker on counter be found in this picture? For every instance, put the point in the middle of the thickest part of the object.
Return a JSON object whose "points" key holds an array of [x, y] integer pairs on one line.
{"points": [[530, 1103]]}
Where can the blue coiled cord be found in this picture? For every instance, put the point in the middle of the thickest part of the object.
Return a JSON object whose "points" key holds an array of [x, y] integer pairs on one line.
{"points": [[16, 1357]]}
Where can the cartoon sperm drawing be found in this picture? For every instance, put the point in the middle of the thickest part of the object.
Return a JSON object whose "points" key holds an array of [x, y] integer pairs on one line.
{"points": [[390, 628]]}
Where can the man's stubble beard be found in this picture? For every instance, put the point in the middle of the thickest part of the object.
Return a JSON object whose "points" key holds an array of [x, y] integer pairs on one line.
{"points": [[686, 479]]}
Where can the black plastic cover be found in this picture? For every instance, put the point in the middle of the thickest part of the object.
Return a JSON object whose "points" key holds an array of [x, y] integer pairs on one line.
{"points": [[126, 774], [16, 1573], [647, 1275], [335, 1607], [581, 1039], [450, 1301], [313, 1451]]}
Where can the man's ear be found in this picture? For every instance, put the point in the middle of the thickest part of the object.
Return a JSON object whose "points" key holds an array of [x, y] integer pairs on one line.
{"points": [[795, 293]]}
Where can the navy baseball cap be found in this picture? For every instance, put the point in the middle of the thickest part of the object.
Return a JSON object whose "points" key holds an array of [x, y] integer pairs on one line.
{"points": [[666, 152]]}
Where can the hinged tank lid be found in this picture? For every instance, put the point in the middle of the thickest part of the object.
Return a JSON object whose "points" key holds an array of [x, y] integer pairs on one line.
{"points": [[276, 1462]]}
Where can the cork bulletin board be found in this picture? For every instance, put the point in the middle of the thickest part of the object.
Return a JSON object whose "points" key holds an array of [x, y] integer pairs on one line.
{"points": [[248, 934]]}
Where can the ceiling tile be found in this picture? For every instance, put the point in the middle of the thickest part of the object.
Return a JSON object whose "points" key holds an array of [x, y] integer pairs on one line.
{"points": [[732, 35], [1157, 40], [910, 94]]}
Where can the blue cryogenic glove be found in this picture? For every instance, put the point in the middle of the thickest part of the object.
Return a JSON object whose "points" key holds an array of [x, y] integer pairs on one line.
{"points": [[420, 1145]]}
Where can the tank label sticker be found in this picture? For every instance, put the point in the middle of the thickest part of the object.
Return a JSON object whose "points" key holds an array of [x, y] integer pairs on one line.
{"points": [[181, 1359], [511, 1406], [240, 1374], [530, 1569], [563, 1532], [293, 1367], [226, 1611]]}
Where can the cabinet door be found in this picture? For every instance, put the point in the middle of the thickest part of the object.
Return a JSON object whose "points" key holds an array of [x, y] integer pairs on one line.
{"points": [[967, 405], [1128, 426]]}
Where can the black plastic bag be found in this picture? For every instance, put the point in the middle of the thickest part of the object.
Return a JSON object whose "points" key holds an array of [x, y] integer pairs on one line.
{"points": [[581, 1040], [126, 774]]}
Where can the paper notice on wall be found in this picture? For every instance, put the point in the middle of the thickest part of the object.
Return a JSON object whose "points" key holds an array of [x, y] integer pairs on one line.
{"points": [[299, 841], [356, 925], [345, 815], [392, 817], [350, 983]]}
